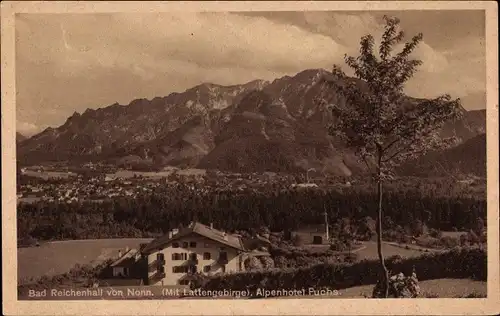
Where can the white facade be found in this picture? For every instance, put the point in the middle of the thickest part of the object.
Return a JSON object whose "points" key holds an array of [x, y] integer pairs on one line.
{"points": [[178, 255]]}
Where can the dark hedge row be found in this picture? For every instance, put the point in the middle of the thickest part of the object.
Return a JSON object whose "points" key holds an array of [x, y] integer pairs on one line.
{"points": [[455, 263]]}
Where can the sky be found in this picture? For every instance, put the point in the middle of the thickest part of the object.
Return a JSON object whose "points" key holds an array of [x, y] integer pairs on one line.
{"points": [[71, 62]]}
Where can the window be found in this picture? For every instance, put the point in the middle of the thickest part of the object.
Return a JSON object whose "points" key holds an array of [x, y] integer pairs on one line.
{"points": [[179, 269], [223, 268], [160, 256], [185, 244], [193, 256], [223, 256], [161, 269], [179, 256], [192, 244], [175, 245], [317, 240], [207, 256], [192, 269], [206, 269]]}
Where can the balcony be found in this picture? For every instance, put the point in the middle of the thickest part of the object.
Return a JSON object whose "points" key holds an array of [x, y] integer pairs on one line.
{"points": [[157, 275], [160, 274], [156, 265], [193, 261], [192, 270], [222, 260]]}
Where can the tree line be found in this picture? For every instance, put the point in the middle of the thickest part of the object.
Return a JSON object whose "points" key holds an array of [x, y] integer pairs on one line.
{"points": [[154, 214]]}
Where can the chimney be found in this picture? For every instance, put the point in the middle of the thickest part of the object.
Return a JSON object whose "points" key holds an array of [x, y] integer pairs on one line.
{"points": [[119, 253], [170, 234], [211, 225]]}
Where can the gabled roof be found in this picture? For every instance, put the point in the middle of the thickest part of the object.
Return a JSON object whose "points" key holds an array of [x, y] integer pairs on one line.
{"points": [[312, 228], [199, 229], [126, 259], [120, 282]]}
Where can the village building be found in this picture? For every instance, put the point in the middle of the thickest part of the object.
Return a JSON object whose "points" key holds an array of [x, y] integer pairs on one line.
{"points": [[309, 235], [173, 259], [317, 234]]}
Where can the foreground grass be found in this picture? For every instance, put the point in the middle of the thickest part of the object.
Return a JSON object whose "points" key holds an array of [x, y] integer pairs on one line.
{"points": [[439, 288]]}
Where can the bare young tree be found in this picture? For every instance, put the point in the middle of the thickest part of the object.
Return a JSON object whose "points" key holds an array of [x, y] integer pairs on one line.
{"points": [[379, 122]]}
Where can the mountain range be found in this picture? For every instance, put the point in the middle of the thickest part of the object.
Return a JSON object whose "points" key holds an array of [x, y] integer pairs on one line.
{"points": [[466, 158], [256, 126]]}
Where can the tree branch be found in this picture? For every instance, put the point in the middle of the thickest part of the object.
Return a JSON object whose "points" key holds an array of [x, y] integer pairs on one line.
{"points": [[366, 163], [391, 144]]}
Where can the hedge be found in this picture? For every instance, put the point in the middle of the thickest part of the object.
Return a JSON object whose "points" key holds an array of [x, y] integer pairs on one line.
{"points": [[455, 263]]}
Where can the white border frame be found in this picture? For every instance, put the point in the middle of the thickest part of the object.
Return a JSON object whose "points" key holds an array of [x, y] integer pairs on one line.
{"points": [[11, 306]]}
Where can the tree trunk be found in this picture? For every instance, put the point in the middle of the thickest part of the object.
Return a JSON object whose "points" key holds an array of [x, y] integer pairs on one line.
{"points": [[385, 272]]}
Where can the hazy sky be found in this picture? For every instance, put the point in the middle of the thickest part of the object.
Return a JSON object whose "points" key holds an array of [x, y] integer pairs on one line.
{"points": [[70, 62]]}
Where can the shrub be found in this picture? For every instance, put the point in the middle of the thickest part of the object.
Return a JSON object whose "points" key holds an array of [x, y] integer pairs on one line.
{"points": [[400, 286], [351, 258], [430, 295], [267, 262], [252, 263], [338, 245], [449, 242], [198, 280], [472, 237], [463, 239], [473, 295], [297, 240], [435, 233]]}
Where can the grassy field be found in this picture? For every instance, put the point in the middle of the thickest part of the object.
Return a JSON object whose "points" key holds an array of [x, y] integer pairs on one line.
{"points": [[370, 251], [439, 287], [60, 256], [49, 174], [454, 234]]}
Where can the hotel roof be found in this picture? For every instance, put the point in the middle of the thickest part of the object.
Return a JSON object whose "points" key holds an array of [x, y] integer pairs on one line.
{"points": [[199, 229]]}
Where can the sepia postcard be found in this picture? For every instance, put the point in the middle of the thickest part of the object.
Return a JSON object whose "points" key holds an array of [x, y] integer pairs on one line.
{"points": [[250, 158]]}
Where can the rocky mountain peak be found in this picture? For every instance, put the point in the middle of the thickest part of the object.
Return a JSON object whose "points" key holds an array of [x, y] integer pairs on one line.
{"points": [[258, 125]]}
